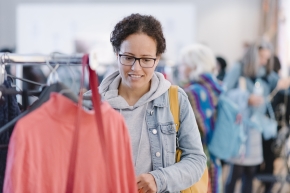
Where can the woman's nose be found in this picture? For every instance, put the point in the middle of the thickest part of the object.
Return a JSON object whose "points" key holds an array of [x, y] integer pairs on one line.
{"points": [[136, 65]]}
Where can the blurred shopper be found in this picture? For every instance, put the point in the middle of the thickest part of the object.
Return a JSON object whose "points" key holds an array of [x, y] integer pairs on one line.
{"points": [[254, 67], [221, 68], [141, 95], [282, 112], [198, 66]]}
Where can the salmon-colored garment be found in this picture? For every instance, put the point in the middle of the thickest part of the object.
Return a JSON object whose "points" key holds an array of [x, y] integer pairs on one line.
{"points": [[39, 151]]}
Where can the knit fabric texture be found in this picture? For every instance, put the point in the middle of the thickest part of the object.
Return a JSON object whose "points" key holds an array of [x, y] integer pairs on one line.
{"points": [[9, 109]]}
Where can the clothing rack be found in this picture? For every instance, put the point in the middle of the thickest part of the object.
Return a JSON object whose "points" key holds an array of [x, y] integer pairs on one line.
{"points": [[29, 60], [38, 59]]}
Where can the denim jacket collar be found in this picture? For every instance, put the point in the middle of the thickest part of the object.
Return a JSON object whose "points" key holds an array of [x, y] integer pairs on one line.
{"points": [[161, 101]]}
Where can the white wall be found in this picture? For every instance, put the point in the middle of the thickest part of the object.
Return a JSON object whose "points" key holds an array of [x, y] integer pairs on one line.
{"points": [[39, 31], [224, 25], [284, 37]]}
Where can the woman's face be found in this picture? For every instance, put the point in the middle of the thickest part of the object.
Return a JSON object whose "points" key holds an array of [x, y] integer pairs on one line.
{"points": [[139, 46], [264, 56]]}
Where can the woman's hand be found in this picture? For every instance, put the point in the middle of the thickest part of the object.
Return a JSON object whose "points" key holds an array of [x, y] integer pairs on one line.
{"points": [[146, 182], [255, 100], [283, 84]]}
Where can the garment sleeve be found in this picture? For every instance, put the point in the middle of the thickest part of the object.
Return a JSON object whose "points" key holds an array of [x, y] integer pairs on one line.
{"points": [[240, 98], [232, 77], [189, 170], [16, 176], [272, 79]]}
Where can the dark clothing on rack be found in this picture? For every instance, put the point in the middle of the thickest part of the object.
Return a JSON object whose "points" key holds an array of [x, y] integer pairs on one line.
{"points": [[35, 74], [43, 97], [8, 111]]}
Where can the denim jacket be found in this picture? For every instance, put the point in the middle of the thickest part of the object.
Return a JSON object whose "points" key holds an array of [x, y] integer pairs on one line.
{"points": [[170, 176]]}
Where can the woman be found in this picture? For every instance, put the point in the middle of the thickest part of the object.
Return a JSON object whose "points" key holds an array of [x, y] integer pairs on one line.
{"points": [[203, 89], [141, 96], [250, 94]]}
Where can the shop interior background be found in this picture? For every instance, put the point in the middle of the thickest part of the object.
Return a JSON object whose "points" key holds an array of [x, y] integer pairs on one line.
{"points": [[70, 26]]}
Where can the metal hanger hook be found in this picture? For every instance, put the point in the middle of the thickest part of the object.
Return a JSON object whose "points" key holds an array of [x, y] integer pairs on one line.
{"points": [[53, 76]]}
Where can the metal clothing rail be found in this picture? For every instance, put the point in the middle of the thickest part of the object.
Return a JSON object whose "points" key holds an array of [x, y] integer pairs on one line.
{"points": [[7, 58], [51, 59], [38, 59]]}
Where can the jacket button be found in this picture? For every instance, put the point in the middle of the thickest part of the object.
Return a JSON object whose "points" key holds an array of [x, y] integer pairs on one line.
{"points": [[154, 131], [151, 113], [157, 154]]}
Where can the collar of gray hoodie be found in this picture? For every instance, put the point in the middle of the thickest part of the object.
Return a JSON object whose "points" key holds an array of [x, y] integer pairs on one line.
{"points": [[109, 91]]}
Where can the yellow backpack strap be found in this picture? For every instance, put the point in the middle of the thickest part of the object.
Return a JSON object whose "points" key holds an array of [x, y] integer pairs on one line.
{"points": [[174, 104], [202, 185]]}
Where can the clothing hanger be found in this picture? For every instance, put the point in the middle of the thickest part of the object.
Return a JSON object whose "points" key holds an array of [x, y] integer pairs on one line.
{"points": [[53, 76], [72, 74], [57, 87], [26, 80], [43, 97], [25, 94], [4, 90], [3, 74]]}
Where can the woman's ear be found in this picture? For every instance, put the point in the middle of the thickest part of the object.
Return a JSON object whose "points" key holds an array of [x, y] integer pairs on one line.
{"points": [[158, 57]]}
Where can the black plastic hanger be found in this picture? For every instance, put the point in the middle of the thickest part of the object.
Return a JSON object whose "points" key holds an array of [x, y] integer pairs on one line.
{"points": [[43, 97], [26, 80]]}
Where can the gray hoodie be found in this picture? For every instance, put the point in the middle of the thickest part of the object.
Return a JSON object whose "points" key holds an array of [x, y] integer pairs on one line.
{"points": [[135, 115]]}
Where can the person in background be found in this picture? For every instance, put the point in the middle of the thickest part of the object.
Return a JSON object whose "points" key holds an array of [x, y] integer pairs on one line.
{"points": [[141, 95], [254, 67], [267, 168], [198, 67], [221, 68]]}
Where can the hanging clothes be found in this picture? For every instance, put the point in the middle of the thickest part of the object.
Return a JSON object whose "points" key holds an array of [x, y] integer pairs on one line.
{"points": [[40, 147], [9, 109]]}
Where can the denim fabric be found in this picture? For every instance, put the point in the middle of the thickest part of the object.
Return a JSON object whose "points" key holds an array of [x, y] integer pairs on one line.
{"points": [[170, 176]]}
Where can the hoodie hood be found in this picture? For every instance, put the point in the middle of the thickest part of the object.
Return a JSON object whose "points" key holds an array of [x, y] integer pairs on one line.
{"points": [[109, 90]]}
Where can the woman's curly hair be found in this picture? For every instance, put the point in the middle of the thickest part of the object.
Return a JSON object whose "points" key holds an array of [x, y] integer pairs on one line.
{"points": [[136, 23]]}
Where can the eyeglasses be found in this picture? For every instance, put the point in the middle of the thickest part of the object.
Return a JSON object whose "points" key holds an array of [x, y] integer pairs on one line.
{"points": [[130, 61]]}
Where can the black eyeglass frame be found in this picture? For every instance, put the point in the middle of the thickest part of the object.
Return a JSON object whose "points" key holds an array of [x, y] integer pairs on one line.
{"points": [[137, 59]]}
